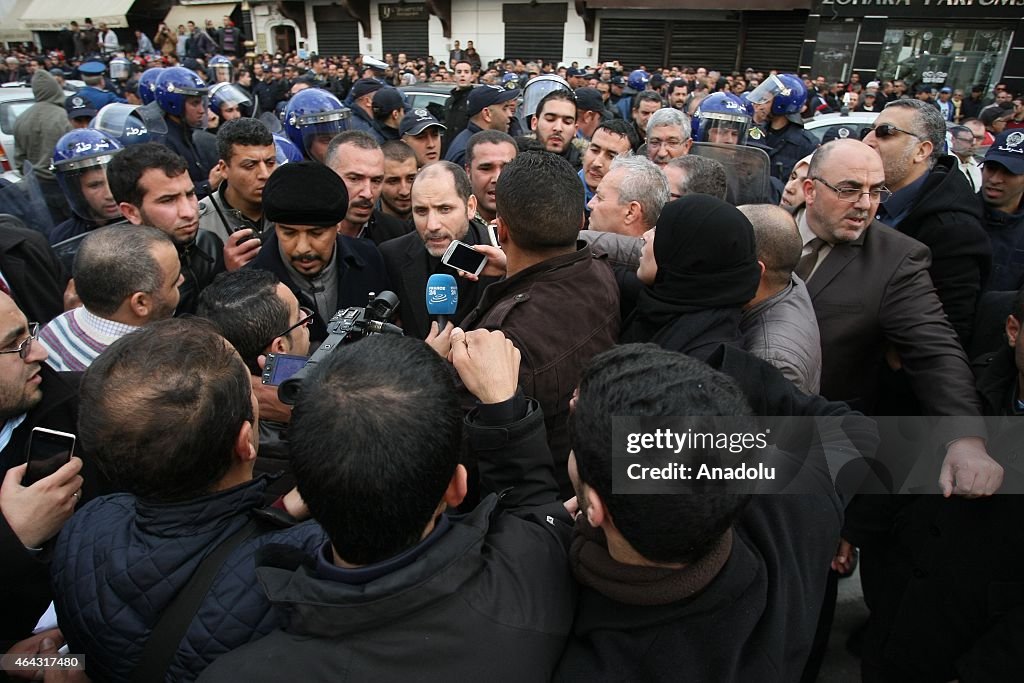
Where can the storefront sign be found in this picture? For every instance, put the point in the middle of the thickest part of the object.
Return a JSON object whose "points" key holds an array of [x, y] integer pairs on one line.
{"points": [[923, 8], [406, 12]]}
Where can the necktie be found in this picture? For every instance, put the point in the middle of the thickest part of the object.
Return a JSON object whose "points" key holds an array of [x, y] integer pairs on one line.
{"points": [[805, 266]]}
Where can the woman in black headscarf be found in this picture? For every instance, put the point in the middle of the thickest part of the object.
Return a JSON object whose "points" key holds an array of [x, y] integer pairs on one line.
{"points": [[700, 272]]}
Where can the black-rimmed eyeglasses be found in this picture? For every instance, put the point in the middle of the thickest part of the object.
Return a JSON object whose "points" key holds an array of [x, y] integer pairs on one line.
{"points": [[852, 194]]}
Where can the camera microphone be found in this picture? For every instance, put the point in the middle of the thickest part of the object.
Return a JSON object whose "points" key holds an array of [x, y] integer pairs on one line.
{"points": [[442, 298]]}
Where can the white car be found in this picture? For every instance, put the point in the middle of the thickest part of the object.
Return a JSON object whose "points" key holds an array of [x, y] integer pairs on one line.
{"points": [[856, 123]]}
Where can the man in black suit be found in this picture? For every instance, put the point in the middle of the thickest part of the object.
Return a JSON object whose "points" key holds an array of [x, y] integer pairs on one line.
{"points": [[443, 209], [30, 273], [875, 303], [326, 271]]}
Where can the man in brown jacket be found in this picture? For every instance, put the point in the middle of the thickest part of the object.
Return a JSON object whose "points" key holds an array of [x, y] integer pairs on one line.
{"points": [[559, 304]]}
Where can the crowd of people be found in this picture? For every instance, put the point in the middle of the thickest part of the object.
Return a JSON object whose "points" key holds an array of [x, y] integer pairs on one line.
{"points": [[443, 501]]}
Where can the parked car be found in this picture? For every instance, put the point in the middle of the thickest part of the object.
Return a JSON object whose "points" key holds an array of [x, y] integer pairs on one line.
{"points": [[421, 95], [857, 121]]}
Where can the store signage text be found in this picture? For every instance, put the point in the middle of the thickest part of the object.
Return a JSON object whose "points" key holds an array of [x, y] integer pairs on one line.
{"points": [[926, 3]]}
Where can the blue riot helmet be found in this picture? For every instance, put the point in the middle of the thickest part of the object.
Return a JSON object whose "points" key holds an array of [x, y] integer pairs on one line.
{"points": [[228, 101], [120, 69], [638, 80], [535, 90], [286, 150], [723, 118], [510, 77], [312, 117], [147, 84], [80, 161], [220, 69], [131, 124], [786, 92], [176, 85]]}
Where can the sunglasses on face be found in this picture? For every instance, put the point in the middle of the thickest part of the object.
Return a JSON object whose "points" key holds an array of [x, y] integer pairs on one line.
{"points": [[887, 130]]}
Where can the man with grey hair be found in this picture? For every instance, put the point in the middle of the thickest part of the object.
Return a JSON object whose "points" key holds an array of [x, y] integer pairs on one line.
{"points": [[125, 276], [933, 202], [692, 174], [668, 136], [779, 324], [629, 198]]}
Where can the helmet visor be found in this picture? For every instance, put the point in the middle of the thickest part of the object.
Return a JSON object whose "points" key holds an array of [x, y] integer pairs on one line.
{"points": [[120, 70], [535, 91], [130, 124], [764, 92], [86, 189], [227, 96], [725, 129]]}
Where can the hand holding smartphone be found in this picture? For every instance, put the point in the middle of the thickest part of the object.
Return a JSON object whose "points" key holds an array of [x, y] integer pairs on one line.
{"points": [[48, 451], [461, 256]]}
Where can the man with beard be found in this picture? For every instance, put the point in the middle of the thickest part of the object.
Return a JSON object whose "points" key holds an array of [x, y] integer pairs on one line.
{"points": [[486, 155], [152, 187], [399, 173], [325, 268], [1002, 190], [933, 202], [358, 160], [555, 125], [443, 208]]}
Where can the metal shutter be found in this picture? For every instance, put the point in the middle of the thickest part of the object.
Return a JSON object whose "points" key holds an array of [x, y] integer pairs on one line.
{"points": [[633, 41], [711, 44], [335, 38], [409, 37], [773, 40], [535, 41]]}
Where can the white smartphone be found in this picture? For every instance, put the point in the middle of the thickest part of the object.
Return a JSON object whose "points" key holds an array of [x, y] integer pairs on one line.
{"points": [[464, 257]]}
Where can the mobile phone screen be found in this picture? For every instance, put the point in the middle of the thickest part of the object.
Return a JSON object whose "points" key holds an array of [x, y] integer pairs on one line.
{"points": [[284, 367], [464, 258], [48, 452]]}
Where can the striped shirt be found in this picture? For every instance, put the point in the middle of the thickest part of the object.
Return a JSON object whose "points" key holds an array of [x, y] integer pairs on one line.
{"points": [[74, 338]]}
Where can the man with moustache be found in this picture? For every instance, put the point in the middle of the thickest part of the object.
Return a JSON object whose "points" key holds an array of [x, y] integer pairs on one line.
{"points": [[358, 160], [610, 140], [399, 173], [486, 155], [326, 269], [152, 187], [555, 126], [443, 209]]}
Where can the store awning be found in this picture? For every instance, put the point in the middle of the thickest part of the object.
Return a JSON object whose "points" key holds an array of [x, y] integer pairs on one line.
{"points": [[13, 31], [52, 15], [700, 4], [199, 13]]}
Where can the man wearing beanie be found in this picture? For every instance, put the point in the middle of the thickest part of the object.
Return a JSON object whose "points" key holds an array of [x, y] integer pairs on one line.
{"points": [[326, 271]]}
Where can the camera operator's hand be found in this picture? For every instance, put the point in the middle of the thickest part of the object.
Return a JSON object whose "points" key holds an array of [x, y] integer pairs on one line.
{"points": [[271, 407], [240, 249], [440, 341], [496, 263], [36, 513], [487, 363]]}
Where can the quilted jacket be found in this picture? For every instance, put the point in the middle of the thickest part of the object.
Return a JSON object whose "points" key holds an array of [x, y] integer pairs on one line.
{"points": [[120, 561]]}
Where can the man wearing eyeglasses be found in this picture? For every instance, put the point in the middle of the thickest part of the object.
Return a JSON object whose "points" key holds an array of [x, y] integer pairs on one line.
{"points": [[668, 136], [31, 395], [933, 203], [962, 145]]}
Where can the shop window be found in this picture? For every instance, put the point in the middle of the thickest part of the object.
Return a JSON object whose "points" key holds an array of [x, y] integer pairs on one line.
{"points": [[955, 57]]}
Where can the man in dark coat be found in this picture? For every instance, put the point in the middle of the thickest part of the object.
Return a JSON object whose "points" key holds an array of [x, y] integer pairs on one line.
{"points": [[30, 272], [327, 271], [933, 203], [1002, 191]]}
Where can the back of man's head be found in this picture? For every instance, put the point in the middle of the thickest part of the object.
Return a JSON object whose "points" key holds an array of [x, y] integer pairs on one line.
{"points": [[540, 200], [166, 404], [244, 132], [702, 175], [777, 239], [375, 440], [246, 309], [115, 262], [643, 380], [128, 165]]}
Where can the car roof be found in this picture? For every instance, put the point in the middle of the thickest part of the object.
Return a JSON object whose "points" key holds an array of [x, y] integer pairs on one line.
{"points": [[837, 119]]}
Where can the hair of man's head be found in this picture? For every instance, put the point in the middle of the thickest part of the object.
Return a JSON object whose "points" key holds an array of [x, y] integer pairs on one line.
{"points": [[356, 138], [165, 407], [928, 123], [777, 239], [126, 168], [245, 307], [621, 128], [486, 137], [396, 150], [374, 441], [540, 198], [647, 96], [1018, 306], [554, 95], [642, 182], [643, 380], [670, 117], [115, 262], [92, 79], [457, 174], [245, 132], [702, 176]]}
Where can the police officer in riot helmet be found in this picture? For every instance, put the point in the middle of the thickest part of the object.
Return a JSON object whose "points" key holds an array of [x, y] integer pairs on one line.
{"points": [[311, 120], [782, 98], [183, 97], [80, 161]]}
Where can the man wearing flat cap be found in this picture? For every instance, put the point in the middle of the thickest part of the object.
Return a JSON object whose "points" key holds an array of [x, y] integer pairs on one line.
{"points": [[361, 98], [325, 270], [490, 107]]}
